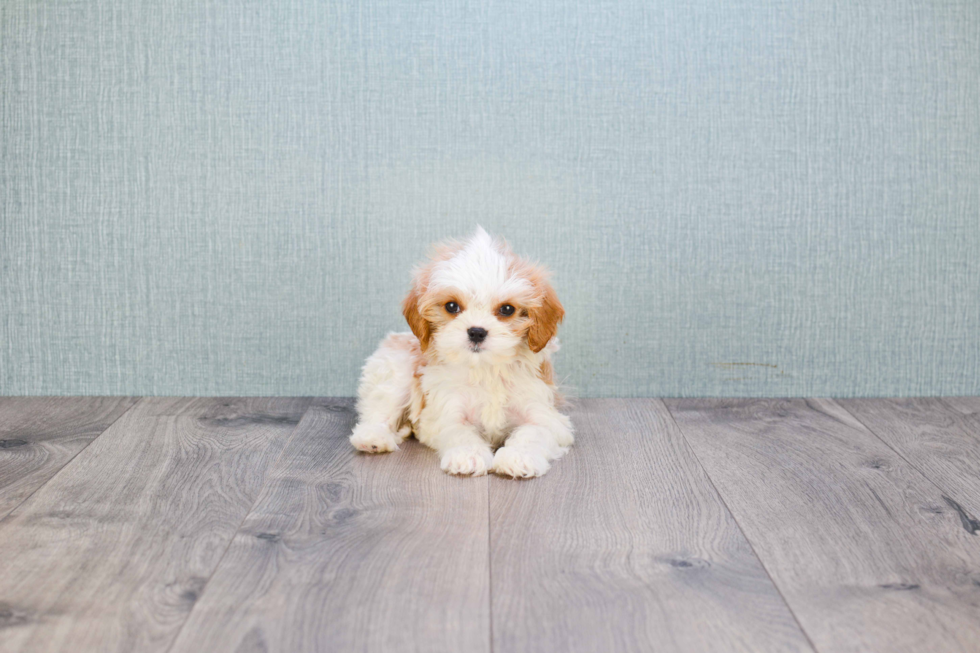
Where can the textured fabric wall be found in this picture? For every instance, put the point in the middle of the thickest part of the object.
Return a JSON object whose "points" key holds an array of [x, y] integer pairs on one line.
{"points": [[757, 197]]}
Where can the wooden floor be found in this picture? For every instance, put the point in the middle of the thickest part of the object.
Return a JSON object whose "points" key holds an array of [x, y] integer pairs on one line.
{"points": [[683, 525]]}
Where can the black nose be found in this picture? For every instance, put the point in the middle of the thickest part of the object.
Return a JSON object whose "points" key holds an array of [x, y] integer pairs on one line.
{"points": [[476, 334]]}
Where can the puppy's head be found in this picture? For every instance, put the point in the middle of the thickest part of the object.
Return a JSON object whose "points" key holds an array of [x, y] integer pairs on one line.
{"points": [[476, 302]]}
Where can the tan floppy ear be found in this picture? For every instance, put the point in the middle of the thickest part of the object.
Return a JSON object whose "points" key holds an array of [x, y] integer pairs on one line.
{"points": [[544, 318], [419, 325]]}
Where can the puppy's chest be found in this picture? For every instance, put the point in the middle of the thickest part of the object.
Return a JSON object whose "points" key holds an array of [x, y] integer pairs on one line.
{"points": [[488, 400]]}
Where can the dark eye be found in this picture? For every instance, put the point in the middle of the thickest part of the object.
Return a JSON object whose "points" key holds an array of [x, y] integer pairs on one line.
{"points": [[506, 310], [452, 307]]}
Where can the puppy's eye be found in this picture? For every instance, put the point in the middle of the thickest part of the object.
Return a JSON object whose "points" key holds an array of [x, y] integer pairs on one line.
{"points": [[506, 310], [452, 307]]}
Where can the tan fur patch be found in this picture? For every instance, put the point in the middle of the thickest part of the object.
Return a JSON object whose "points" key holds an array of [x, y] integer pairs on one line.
{"points": [[547, 373], [415, 304], [416, 321], [546, 316]]}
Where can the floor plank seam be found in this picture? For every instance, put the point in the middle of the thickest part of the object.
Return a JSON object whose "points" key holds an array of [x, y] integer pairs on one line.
{"points": [[490, 560], [69, 461], [755, 553], [943, 491], [231, 540]]}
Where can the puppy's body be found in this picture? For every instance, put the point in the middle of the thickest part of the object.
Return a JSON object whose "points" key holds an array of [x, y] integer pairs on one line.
{"points": [[475, 373]]}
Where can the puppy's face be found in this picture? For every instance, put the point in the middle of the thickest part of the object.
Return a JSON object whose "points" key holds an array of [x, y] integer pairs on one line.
{"points": [[476, 302]]}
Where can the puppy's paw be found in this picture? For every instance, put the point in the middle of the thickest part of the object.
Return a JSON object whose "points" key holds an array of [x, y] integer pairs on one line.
{"points": [[467, 460], [374, 438], [520, 462]]}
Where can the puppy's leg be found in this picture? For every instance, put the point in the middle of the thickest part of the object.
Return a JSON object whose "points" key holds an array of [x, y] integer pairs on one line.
{"points": [[463, 451], [532, 446], [460, 447], [385, 393]]}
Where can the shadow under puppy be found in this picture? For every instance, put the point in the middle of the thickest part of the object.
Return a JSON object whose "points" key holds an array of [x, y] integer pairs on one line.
{"points": [[475, 373]]}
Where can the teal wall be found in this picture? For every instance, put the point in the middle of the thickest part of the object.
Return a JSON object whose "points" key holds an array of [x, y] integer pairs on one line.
{"points": [[758, 197]]}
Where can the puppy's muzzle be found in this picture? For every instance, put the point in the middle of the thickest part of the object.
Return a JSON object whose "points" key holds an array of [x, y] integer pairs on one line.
{"points": [[476, 334]]}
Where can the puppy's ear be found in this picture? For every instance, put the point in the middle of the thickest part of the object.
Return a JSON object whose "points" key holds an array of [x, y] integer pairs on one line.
{"points": [[544, 318], [419, 325]]}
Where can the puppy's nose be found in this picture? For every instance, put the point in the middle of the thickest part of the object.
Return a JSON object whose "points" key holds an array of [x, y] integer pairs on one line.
{"points": [[476, 334]]}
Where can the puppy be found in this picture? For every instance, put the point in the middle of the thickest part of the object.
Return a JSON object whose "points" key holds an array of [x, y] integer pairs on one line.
{"points": [[475, 373]]}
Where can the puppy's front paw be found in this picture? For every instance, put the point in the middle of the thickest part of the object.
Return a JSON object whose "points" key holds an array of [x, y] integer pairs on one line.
{"points": [[374, 438], [467, 460], [519, 462]]}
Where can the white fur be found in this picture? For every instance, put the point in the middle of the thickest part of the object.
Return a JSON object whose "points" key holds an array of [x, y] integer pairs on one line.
{"points": [[465, 403]]}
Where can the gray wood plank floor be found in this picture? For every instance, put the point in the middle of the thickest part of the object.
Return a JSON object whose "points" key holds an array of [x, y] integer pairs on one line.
{"points": [[111, 554], [172, 524], [625, 546], [939, 442], [38, 435], [350, 552], [864, 548]]}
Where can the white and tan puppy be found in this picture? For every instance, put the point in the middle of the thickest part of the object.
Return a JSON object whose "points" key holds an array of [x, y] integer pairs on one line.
{"points": [[475, 373]]}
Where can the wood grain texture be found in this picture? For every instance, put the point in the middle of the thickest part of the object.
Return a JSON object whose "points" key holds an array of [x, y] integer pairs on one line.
{"points": [[969, 407], [110, 555], [38, 435], [351, 552], [934, 438], [863, 547], [625, 546]]}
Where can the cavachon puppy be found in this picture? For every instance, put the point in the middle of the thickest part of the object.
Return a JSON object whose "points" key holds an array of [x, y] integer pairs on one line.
{"points": [[473, 380]]}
